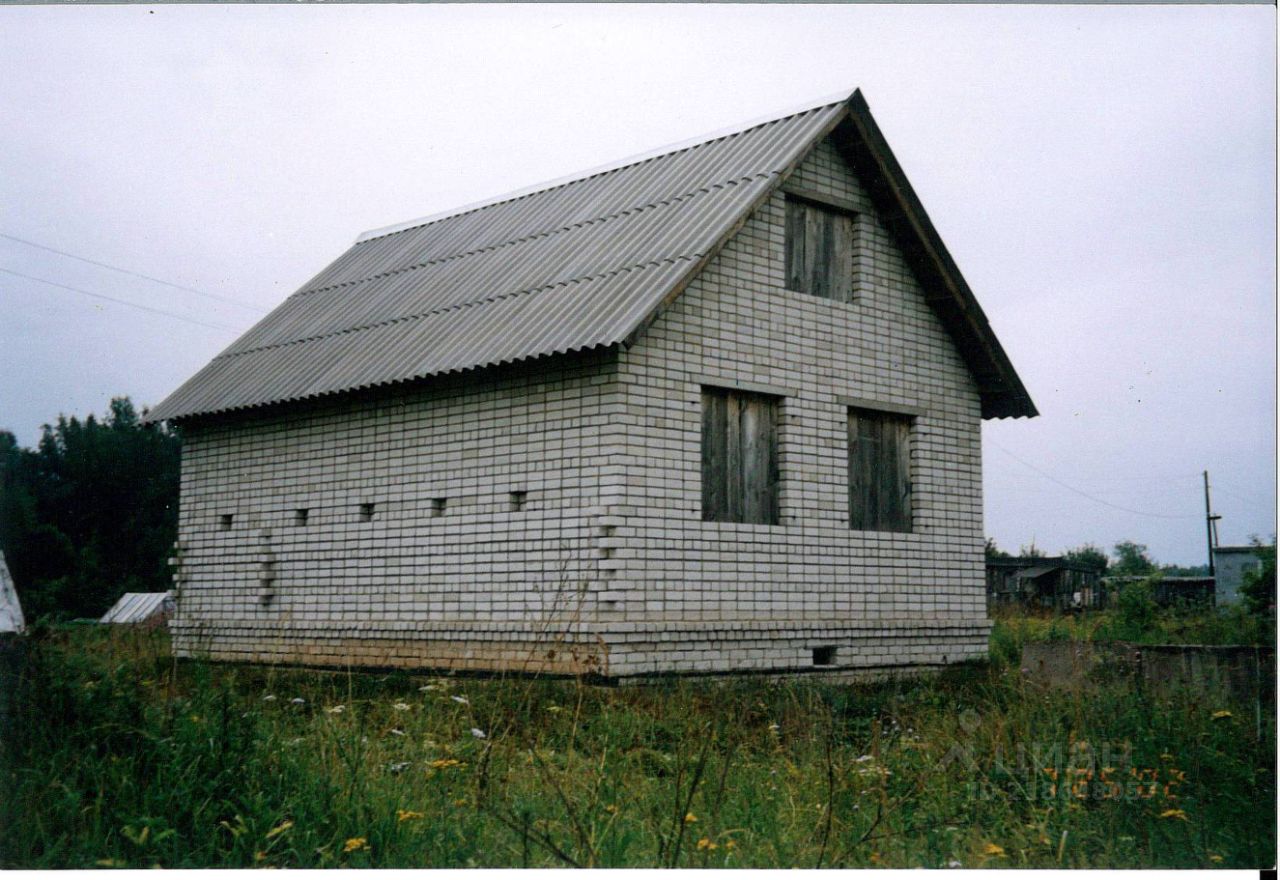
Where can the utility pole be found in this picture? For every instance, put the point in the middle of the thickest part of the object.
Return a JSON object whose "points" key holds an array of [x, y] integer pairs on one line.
{"points": [[1210, 523]]}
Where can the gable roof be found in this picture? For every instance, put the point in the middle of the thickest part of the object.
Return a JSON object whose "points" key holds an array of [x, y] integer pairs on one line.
{"points": [[574, 266]]}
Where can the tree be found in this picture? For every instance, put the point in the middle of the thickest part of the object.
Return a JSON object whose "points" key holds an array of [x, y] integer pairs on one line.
{"points": [[1259, 587], [994, 552], [1031, 551], [90, 513], [1132, 559], [1088, 554]]}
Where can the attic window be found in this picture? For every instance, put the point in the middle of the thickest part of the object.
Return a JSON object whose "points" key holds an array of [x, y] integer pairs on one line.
{"points": [[366, 512], [819, 250], [300, 516], [224, 521]]}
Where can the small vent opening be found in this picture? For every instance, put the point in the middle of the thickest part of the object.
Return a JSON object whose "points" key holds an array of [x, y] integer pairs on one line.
{"points": [[438, 505], [300, 516], [824, 655], [518, 499], [224, 521], [366, 512]]}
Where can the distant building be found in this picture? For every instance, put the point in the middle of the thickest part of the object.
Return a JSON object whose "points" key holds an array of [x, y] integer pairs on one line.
{"points": [[152, 609], [11, 620], [1230, 565], [1043, 582]]}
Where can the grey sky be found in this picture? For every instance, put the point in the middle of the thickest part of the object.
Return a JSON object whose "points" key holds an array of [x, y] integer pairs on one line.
{"points": [[1104, 177]]}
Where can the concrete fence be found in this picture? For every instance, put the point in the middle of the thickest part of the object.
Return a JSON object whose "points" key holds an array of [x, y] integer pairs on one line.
{"points": [[1244, 672]]}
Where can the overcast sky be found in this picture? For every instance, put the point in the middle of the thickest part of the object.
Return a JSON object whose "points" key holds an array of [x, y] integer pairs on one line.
{"points": [[1104, 177]]}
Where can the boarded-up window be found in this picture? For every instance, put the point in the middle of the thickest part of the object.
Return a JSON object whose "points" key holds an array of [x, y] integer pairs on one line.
{"points": [[879, 471], [739, 456], [820, 251]]}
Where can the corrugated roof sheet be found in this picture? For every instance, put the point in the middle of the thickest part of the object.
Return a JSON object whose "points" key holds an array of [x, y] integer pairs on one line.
{"points": [[11, 620], [137, 607], [571, 267]]}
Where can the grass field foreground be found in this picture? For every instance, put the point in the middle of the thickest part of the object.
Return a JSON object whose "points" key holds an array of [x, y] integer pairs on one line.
{"points": [[128, 758]]}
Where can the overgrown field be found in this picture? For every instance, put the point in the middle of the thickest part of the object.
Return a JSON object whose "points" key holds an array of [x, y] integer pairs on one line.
{"points": [[126, 758], [1134, 620]]}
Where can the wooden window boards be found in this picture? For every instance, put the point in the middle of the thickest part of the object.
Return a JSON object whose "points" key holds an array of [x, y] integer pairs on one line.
{"points": [[739, 456], [820, 246], [879, 471]]}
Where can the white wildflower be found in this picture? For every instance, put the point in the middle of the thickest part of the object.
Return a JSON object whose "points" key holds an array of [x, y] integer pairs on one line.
{"points": [[297, 701], [862, 759], [269, 697], [399, 766], [954, 863], [427, 687], [401, 707], [395, 731], [458, 698], [336, 710], [477, 733]]}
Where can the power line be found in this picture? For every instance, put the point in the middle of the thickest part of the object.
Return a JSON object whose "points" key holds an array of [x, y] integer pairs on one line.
{"points": [[1096, 500], [121, 301], [226, 299]]}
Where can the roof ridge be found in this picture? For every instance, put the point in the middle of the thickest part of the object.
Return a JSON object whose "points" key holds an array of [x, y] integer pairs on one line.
{"points": [[228, 355], [596, 171], [626, 212]]}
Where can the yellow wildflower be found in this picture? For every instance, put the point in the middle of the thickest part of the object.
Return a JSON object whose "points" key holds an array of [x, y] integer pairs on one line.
{"points": [[1165, 756], [1174, 814], [875, 858], [1213, 857], [460, 802], [280, 829], [1221, 713], [260, 856], [355, 843], [408, 815], [689, 818], [108, 863], [611, 808], [993, 849], [707, 844], [442, 763], [730, 844]]}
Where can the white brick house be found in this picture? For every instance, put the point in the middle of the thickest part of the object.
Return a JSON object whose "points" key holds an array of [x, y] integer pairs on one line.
{"points": [[715, 410]]}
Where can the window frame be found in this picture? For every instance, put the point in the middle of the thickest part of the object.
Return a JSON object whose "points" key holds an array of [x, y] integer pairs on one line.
{"points": [[741, 474], [838, 252], [871, 504]]}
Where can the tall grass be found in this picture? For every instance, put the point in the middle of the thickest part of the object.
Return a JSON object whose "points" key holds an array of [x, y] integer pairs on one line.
{"points": [[1133, 621], [129, 759]]}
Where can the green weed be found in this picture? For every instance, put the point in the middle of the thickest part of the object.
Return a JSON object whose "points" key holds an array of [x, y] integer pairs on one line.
{"points": [[130, 759]]}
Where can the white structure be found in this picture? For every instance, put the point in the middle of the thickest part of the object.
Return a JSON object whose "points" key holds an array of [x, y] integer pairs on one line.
{"points": [[11, 620], [717, 410], [138, 608], [1229, 567]]}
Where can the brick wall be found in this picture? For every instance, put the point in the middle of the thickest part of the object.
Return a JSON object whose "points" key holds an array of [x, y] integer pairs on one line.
{"points": [[773, 593], [442, 570]]}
